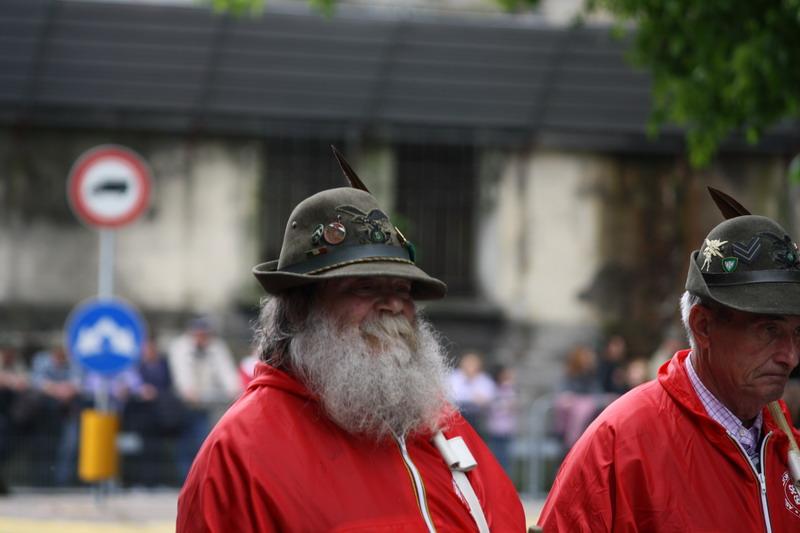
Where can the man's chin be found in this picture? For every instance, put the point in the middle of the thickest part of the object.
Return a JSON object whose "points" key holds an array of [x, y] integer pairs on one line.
{"points": [[773, 387]]}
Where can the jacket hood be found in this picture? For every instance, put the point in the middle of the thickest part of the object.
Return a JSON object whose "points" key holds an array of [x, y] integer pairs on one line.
{"points": [[271, 377]]}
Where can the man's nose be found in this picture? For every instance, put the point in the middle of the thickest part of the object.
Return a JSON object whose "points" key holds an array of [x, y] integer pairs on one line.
{"points": [[390, 302], [789, 351]]}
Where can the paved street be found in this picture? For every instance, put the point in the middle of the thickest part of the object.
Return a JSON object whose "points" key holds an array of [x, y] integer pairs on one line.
{"points": [[82, 512], [130, 511]]}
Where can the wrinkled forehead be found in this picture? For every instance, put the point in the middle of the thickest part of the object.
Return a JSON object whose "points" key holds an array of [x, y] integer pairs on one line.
{"points": [[746, 317]]}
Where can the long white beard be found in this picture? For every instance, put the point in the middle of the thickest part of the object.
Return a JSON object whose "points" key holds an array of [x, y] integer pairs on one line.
{"points": [[384, 378]]}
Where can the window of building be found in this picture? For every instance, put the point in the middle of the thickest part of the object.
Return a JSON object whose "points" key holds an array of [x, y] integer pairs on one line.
{"points": [[294, 170], [436, 190]]}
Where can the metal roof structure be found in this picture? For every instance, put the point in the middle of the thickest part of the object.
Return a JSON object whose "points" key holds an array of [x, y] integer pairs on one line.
{"points": [[185, 69]]}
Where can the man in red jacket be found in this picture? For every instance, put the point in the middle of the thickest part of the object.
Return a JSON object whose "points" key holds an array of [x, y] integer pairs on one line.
{"points": [[696, 449], [345, 426]]}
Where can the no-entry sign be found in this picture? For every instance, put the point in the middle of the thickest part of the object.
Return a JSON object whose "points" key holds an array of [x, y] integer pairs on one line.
{"points": [[109, 186]]}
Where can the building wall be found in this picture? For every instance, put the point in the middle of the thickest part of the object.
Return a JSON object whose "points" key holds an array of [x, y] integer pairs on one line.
{"points": [[192, 253], [538, 245]]}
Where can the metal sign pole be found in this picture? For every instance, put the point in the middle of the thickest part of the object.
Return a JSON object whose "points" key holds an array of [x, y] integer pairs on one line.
{"points": [[105, 290], [105, 269]]}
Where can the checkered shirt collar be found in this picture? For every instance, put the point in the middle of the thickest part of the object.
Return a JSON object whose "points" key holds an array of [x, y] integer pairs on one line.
{"points": [[747, 437]]}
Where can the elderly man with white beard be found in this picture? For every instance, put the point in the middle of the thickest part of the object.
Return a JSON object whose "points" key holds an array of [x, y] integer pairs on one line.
{"points": [[346, 426]]}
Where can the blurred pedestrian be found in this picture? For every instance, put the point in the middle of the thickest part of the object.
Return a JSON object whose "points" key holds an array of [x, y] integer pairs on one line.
{"points": [[56, 382], [501, 422], [580, 372], [471, 390], [205, 379], [157, 416], [636, 373], [579, 396], [611, 366]]}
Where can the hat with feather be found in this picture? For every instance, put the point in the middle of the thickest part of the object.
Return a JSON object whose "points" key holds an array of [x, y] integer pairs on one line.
{"points": [[339, 233], [748, 262]]}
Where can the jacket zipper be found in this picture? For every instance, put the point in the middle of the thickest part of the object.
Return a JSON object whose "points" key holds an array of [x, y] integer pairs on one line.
{"points": [[419, 487], [762, 482]]}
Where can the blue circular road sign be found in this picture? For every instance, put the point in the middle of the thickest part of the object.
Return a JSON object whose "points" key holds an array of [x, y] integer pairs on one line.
{"points": [[105, 336]]}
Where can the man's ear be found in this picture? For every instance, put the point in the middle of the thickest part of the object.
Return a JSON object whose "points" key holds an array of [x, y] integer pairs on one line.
{"points": [[700, 318]]}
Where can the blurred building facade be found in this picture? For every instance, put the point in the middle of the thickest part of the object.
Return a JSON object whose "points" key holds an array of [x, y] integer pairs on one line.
{"points": [[513, 152]]}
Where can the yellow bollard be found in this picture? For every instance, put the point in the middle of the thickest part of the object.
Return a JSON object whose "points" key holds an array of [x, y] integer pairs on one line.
{"points": [[98, 458]]}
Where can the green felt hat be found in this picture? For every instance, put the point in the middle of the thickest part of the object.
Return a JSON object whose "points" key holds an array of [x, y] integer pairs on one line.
{"points": [[341, 233], [748, 263]]}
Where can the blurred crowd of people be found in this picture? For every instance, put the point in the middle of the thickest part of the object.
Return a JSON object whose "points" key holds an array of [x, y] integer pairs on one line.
{"points": [[170, 399], [166, 403], [591, 381], [488, 402]]}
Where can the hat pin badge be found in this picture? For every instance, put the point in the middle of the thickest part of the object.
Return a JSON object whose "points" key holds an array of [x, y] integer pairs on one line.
{"points": [[334, 233], [712, 249]]}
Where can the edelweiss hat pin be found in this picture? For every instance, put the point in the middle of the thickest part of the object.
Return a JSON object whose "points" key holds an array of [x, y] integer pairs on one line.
{"points": [[340, 233], [769, 273]]}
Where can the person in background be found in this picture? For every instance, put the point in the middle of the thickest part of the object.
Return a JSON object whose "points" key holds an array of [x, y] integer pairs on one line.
{"points": [[471, 390], [501, 422], [580, 372], [579, 397], [205, 378], [154, 370], [56, 382], [156, 415], [611, 366], [636, 373]]}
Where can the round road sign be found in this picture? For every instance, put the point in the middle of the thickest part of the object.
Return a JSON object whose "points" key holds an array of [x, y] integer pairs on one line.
{"points": [[106, 336], [109, 186]]}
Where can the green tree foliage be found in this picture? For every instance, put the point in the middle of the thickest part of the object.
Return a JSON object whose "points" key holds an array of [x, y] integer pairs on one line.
{"points": [[236, 7], [244, 7], [718, 66]]}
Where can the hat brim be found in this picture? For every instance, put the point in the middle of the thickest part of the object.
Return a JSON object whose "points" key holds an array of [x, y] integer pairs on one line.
{"points": [[424, 287], [760, 298]]}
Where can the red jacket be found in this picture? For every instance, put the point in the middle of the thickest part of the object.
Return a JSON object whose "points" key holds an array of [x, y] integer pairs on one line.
{"points": [[274, 462], [655, 461]]}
